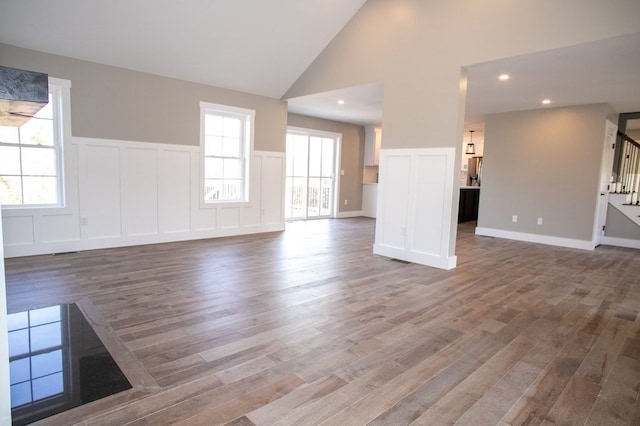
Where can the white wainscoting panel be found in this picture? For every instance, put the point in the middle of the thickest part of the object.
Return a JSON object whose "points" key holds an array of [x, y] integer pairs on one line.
{"points": [[228, 217], [174, 178], [415, 200], [430, 211], [142, 193], [18, 230], [394, 181], [60, 228], [204, 220], [272, 189], [100, 191]]}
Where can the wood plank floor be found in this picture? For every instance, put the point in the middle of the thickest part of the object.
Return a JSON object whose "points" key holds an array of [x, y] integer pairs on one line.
{"points": [[309, 327]]}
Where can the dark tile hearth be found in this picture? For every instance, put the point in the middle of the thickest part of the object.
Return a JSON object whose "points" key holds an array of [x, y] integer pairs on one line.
{"points": [[57, 362]]}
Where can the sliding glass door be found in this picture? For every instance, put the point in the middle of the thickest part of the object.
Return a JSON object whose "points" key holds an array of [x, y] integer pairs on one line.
{"points": [[310, 174]]}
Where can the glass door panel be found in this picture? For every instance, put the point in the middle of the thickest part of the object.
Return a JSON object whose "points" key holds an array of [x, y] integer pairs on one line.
{"points": [[327, 157], [326, 199], [296, 178], [313, 200], [310, 172]]}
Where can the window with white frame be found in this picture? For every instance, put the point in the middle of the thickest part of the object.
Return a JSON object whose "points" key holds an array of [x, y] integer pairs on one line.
{"points": [[31, 156], [226, 141]]}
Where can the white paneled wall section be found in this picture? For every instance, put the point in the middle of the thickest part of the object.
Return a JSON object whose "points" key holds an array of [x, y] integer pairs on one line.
{"points": [[5, 390], [121, 193], [415, 199]]}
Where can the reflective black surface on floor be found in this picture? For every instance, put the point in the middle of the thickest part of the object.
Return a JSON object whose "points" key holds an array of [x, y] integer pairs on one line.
{"points": [[57, 362]]}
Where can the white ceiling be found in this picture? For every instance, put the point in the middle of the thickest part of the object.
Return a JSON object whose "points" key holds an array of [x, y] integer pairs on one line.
{"points": [[262, 47], [606, 71], [362, 104], [255, 46]]}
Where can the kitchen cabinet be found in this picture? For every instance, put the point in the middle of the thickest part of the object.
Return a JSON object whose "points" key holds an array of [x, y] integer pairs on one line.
{"points": [[369, 199], [372, 144], [468, 207]]}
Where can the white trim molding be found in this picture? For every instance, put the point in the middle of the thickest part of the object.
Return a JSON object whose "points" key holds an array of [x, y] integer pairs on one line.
{"points": [[536, 238], [343, 215], [620, 242], [415, 203]]}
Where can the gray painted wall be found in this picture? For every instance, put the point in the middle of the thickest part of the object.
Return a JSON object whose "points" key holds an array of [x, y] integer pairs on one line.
{"points": [[418, 50], [115, 103], [351, 156], [543, 163], [620, 226]]}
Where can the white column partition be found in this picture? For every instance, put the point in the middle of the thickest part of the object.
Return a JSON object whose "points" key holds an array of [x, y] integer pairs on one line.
{"points": [[5, 394], [415, 200]]}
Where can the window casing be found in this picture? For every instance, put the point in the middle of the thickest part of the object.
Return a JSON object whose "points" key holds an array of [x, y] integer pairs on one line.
{"points": [[226, 141], [31, 156]]}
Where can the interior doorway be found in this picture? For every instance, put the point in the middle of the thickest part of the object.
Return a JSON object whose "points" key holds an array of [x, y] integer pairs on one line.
{"points": [[310, 174]]}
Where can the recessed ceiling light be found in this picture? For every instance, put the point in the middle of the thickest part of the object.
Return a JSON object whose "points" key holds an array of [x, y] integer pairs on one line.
{"points": [[504, 77], [341, 102], [546, 101]]}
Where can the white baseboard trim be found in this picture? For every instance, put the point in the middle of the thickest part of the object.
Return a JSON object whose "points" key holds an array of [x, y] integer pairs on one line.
{"points": [[535, 238], [104, 243], [355, 213], [415, 257], [620, 242]]}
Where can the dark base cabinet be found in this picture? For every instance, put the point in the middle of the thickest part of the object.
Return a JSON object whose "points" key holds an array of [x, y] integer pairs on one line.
{"points": [[468, 208]]}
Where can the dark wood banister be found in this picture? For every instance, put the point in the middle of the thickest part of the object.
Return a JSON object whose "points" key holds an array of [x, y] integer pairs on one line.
{"points": [[626, 138]]}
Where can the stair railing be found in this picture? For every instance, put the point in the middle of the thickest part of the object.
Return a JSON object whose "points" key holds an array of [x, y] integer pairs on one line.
{"points": [[628, 173]]}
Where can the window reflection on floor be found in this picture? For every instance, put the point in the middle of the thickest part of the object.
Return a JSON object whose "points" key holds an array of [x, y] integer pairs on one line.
{"points": [[57, 362], [35, 351]]}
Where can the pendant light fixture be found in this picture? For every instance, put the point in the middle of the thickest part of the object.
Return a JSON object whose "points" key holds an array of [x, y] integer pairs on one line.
{"points": [[471, 148]]}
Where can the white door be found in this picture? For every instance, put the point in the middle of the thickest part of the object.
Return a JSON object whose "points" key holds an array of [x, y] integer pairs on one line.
{"points": [[605, 181]]}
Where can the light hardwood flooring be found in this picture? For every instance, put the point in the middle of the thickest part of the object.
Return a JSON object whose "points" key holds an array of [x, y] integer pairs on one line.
{"points": [[309, 327]]}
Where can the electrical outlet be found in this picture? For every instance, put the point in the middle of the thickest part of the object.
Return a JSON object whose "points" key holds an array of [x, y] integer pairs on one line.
{"points": [[539, 221], [84, 221], [346, 202], [514, 218]]}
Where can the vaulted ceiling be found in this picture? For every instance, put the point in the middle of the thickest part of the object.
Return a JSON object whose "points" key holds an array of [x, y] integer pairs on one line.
{"points": [[254, 46], [262, 47]]}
